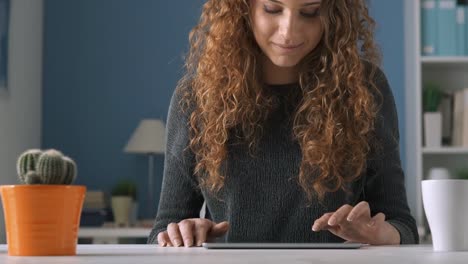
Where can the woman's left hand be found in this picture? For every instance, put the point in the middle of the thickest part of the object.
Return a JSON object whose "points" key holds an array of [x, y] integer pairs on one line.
{"points": [[355, 224]]}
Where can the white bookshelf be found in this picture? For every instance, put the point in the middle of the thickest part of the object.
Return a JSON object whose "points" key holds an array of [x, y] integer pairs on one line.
{"points": [[452, 73], [445, 150], [450, 60]]}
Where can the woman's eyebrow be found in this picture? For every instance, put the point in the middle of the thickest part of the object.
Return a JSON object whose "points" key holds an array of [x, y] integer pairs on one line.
{"points": [[312, 3], [306, 4]]}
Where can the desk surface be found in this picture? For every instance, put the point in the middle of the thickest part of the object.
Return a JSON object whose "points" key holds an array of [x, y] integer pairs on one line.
{"points": [[140, 254]]}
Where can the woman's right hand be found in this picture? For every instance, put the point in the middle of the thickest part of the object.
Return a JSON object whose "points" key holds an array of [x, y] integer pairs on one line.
{"points": [[191, 232]]}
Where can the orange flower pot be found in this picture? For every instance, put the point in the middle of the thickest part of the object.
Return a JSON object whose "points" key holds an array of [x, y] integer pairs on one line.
{"points": [[42, 220]]}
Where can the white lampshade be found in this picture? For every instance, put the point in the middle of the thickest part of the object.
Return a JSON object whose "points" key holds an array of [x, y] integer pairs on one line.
{"points": [[149, 137]]}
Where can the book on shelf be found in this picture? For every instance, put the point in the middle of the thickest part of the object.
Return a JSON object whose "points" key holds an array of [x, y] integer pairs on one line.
{"points": [[446, 109], [95, 200], [95, 208], [428, 27], [444, 30], [446, 27], [461, 36], [460, 118], [465, 7]]}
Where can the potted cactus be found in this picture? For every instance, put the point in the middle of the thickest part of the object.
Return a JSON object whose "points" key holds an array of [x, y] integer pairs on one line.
{"points": [[432, 96], [462, 173], [42, 214], [123, 203]]}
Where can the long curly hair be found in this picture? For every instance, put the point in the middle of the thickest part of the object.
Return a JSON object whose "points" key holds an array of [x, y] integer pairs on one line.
{"points": [[334, 120]]}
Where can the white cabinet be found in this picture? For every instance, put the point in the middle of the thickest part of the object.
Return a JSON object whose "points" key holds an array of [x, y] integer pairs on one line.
{"points": [[451, 73], [111, 235]]}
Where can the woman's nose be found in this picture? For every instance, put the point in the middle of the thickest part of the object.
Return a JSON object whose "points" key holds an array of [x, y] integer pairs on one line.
{"points": [[287, 26]]}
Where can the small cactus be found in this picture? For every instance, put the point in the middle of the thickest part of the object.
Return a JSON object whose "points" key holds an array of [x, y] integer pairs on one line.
{"points": [[27, 162], [32, 178], [46, 167], [70, 171]]}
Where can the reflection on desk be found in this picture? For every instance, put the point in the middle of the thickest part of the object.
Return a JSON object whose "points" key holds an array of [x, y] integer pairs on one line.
{"points": [[116, 254]]}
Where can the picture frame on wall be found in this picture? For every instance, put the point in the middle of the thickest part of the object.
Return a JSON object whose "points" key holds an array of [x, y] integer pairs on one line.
{"points": [[4, 28]]}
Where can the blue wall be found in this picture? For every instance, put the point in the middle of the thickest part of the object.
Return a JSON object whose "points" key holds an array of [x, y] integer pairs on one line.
{"points": [[110, 63], [107, 65], [390, 36]]}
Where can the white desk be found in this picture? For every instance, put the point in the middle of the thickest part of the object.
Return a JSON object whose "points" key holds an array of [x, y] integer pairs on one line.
{"points": [[115, 254], [111, 235]]}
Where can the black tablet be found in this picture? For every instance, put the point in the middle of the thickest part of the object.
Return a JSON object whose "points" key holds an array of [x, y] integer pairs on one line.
{"points": [[282, 245]]}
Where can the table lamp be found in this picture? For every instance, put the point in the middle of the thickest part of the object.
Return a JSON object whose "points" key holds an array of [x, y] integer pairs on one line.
{"points": [[148, 138]]}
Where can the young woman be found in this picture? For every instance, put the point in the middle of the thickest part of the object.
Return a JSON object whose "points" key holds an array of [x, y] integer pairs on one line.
{"points": [[285, 126]]}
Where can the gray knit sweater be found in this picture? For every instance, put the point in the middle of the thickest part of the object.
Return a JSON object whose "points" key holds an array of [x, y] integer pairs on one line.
{"points": [[261, 200]]}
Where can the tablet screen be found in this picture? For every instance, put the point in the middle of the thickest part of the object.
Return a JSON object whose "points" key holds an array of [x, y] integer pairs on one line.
{"points": [[282, 245]]}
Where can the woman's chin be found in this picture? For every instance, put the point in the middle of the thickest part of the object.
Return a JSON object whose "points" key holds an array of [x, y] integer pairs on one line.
{"points": [[285, 63]]}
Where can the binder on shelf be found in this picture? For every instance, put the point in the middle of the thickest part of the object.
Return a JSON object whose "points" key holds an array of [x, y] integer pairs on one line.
{"points": [[446, 27], [461, 27], [428, 27], [465, 5]]}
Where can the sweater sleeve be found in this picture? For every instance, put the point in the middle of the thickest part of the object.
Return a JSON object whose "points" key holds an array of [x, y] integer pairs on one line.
{"points": [[180, 196], [385, 187]]}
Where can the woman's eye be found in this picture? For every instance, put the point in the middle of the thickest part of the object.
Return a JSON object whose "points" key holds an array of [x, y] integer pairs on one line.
{"points": [[271, 10], [314, 13]]}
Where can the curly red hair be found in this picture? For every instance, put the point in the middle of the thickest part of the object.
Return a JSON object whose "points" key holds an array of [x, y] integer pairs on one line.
{"points": [[334, 121]]}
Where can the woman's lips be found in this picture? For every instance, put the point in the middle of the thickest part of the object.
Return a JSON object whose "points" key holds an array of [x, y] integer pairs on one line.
{"points": [[288, 48]]}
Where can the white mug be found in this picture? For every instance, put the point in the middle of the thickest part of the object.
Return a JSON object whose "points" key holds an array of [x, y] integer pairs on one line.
{"points": [[438, 174], [446, 207]]}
